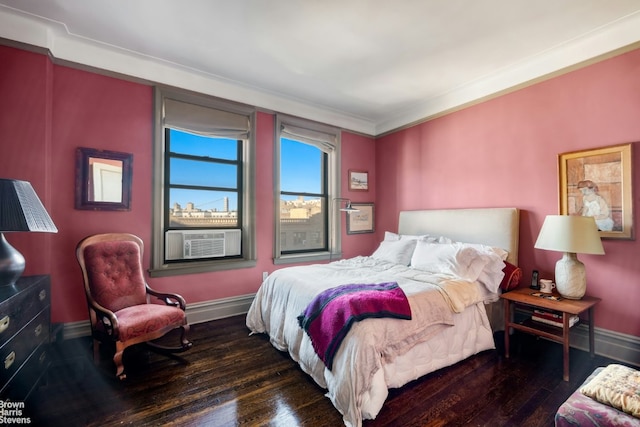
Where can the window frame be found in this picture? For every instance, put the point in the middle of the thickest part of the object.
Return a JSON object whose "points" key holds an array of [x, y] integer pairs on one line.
{"points": [[333, 183], [247, 219]]}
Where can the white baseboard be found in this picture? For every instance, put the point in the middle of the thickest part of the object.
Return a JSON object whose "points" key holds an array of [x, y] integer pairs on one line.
{"points": [[219, 309], [614, 345], [196, 313]]}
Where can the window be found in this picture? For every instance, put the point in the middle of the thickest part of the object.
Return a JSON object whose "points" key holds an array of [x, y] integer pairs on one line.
{"points": [[203, 197], [307, 173]]}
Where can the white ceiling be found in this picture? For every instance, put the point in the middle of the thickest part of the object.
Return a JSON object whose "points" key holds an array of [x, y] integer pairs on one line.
{"points": [[365, 65]]}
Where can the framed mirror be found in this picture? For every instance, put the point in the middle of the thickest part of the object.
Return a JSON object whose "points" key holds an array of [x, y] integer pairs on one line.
{"points": [[103, 179]]}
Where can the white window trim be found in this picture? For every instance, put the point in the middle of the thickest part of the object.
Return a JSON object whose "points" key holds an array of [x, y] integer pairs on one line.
{"points": [[248, 221], [333, 183]]}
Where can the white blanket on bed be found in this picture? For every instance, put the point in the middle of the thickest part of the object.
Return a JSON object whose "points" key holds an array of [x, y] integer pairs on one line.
{"points": [[370, 343]]}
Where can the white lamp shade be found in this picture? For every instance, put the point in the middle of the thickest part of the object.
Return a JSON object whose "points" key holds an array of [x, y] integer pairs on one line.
{"points": [[570, 233]]}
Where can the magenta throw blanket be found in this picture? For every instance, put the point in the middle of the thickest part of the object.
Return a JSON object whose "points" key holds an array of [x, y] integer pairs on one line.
{"points": [[328, 318]]}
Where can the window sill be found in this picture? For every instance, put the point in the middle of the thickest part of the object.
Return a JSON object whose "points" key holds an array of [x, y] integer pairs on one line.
{"points": [[180, 269], [311, 257]]}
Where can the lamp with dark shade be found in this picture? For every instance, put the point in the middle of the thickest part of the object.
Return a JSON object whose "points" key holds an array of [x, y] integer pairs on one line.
{"points": [[572, 235], [20, 210]]}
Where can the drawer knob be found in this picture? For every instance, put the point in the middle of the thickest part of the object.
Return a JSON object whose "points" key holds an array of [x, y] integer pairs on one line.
{"points": [[4, 323], [8, 361], [38, 330], [42, 294]]}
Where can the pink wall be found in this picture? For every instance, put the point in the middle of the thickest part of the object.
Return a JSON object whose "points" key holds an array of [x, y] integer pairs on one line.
{"points": [[503, 152], [48, 111], [499, 153], [358, 153]]}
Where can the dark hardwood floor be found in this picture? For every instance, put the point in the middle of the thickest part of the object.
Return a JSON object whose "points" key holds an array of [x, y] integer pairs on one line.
{"points": [[230, 378]]}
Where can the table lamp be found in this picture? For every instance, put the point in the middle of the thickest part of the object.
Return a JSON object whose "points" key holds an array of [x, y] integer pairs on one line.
{"points": [[572, 235], [20, 210]]}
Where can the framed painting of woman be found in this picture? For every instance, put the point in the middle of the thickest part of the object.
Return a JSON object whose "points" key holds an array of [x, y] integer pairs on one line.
{"points": [[598, 183]]}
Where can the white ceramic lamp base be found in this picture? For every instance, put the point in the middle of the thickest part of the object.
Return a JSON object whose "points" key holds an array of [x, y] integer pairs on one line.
{"points": [[571, 278]]}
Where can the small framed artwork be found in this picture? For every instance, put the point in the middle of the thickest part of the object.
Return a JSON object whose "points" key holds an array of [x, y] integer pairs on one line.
{"points": [[598, 183], [363, 220], [358, 180]]}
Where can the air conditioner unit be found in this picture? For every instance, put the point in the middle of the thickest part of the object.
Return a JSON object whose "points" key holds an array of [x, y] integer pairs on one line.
{"points": [[193, 244]]}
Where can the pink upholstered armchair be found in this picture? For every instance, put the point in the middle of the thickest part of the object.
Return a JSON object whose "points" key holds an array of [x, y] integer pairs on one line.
{"points": [[119, 299]]}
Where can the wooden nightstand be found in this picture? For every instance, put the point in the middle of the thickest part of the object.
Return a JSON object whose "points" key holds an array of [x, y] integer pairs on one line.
{"points": [[567, 307]]}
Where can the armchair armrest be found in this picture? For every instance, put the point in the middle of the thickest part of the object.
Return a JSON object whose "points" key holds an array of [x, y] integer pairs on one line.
{"points": [[106, 317], [174, 300]]}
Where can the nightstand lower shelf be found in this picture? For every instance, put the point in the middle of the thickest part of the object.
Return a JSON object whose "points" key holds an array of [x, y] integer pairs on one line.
{"points": [[554, 333]]}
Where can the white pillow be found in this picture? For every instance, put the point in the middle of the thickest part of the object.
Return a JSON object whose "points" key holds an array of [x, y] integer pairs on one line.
{"points": [[390, 236], [440, 239], [455, 259], [398, 251], [492, 274], [489, 249], [426, 238]]}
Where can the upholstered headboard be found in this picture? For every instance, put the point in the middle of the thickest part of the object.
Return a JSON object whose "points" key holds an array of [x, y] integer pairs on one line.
{"points": [[497, 227]]}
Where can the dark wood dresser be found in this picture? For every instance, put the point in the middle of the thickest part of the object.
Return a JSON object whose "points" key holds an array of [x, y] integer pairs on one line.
{"points": [[24, 336]]}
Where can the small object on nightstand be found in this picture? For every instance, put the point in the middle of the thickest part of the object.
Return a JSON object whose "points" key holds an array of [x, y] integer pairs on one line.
{"points": [[547, 286], [534, 280], [547, 296], [553, 318]]}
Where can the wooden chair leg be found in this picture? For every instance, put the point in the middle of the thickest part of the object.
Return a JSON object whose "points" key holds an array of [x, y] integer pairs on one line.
{"points": [[186, 344], [117, 359]]}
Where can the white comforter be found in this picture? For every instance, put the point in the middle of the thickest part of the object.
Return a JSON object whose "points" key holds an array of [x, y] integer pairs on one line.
{"points": [[370, 344]]}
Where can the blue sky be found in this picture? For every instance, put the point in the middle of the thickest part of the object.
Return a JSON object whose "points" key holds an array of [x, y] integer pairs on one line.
{"points": [[301, 167]]}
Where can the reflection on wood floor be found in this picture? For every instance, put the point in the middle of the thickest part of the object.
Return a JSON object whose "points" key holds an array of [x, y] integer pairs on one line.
{"points": [[230, 378]]}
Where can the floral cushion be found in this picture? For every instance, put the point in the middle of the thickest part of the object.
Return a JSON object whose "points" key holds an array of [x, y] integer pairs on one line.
{"points": [[581, 410], [617, 386]]}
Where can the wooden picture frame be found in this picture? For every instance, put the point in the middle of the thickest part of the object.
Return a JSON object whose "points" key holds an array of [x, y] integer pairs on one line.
{"points": [[362, 221], [598, 183], [358, 180]]}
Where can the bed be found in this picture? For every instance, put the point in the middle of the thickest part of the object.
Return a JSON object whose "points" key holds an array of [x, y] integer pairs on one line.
{"points": [[381, 353]]}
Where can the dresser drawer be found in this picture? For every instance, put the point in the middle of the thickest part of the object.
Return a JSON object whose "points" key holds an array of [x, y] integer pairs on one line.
{"points": [[17, 350], [28, 378], [22, 303]]}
